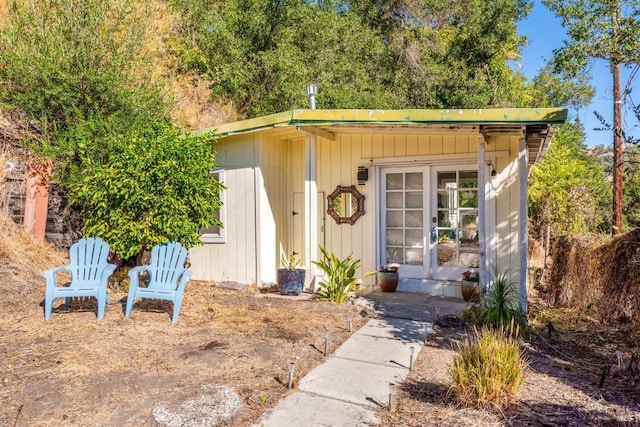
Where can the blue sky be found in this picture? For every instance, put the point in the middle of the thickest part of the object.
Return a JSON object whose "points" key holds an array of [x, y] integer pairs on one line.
{"points": [[545, 33]]}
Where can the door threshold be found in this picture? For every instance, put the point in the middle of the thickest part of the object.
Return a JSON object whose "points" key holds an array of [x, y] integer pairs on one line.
{"points": [[441, 288]]}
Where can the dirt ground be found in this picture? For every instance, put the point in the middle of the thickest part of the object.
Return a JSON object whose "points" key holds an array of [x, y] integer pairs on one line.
{"points": [[562, 386], [75, 370]]}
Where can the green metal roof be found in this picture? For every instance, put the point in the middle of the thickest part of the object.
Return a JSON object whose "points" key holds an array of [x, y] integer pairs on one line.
{"points": [[301, 117]]}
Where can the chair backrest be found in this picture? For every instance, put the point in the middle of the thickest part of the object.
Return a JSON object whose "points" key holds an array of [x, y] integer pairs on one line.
{"points": [[88, 260], [167, 265]]}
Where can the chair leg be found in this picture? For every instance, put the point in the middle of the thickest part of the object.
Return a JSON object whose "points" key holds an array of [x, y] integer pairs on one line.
{"points": [[48, 308], [101, 304], [101, 300], [130, 298], [67, 302], [48, 299], [176, 308]]}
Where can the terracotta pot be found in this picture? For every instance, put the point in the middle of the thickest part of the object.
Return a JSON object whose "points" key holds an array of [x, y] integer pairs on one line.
{"points": [[470, 290], [388, 281]]}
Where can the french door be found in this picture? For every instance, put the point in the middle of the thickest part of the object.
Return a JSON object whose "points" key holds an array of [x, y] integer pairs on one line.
{"points": [[404, 203], [428, 220], [454, 243]]}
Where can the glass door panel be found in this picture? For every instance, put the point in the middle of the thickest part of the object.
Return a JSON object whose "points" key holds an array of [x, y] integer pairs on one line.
{"points": [[456, 246], [403, 218]]}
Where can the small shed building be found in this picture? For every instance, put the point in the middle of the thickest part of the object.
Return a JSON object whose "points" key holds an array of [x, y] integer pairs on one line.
{"points": [[437, 192]]}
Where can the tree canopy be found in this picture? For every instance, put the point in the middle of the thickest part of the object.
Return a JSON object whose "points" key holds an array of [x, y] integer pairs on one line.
{"points": [[568, 191], [607, 30], [85, 75], [399, 54]]}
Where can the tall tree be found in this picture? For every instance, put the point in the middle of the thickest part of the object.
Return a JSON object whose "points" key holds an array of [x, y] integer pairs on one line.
{"points": [[360, 54], [557, 89], [568, 190], [608, 30], [260, 54]]}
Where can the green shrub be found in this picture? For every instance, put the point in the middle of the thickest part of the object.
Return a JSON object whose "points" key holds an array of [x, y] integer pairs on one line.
{"points": [[339, 278], [157, 187], [488, 369]]}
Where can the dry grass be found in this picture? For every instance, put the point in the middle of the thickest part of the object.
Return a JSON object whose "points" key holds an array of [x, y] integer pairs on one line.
{"points": [[194, 108], [75, 370], [488, 369], [599, 276], [20, 252]]}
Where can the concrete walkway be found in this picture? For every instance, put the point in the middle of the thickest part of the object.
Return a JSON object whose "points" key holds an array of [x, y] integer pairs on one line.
{"points": [[354, 381]]}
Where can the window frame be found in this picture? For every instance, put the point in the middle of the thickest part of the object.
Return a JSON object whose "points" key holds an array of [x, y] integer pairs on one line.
{"points": [[221, 236]]}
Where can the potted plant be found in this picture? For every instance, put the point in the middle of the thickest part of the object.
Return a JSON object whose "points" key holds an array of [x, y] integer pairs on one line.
{"points": [[290, 275], [388, 277], [470, 285]]}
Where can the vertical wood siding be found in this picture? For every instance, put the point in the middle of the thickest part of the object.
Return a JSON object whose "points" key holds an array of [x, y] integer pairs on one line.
{"points": [[265, 172], [234, 260], [338, 162]]}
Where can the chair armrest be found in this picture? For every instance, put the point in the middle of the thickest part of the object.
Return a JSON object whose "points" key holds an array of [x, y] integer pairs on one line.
{"points": [[186, 276], [135, 271], [134, 275], [50, 274], [109, 270]]}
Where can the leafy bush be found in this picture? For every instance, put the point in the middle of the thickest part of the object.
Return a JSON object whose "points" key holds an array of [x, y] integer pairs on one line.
{"points": [[81, 70], [156, 188], [488, 369], [339, 274]]}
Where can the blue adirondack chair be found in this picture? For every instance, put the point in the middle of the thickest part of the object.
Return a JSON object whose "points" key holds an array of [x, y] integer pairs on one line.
{"points": [[89, 271], [167, 277]]}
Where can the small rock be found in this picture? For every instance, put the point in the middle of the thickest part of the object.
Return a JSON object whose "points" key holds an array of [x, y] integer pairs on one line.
{"points": [[209, 406]]}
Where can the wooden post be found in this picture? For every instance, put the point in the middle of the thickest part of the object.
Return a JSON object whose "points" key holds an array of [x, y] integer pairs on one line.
{"points": [[523, 219], [311, 210], [37, 197], [482, 230], [618, 163]]}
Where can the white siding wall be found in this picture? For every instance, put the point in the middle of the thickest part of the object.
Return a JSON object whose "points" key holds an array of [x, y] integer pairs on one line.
{"points": [[264, 172], [235, 260], [338, 162]]}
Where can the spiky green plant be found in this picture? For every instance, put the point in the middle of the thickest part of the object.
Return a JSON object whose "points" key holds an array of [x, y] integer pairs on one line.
{"points": [[339, 276], [501, 304], [488, 368]]}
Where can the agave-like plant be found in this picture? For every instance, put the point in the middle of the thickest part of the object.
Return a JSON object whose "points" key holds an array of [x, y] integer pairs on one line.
{"points": [[502, 304], [339, 276]]}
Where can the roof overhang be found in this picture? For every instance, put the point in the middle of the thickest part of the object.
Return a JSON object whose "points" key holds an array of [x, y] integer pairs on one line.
{"points": [[534, 124]]}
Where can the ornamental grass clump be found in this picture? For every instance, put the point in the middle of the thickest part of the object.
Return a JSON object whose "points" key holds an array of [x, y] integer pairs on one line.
{"points": [[488, 369]]}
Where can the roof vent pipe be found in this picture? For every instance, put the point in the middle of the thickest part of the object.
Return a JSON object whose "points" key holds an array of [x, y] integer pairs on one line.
{"points": [[312, 91]]}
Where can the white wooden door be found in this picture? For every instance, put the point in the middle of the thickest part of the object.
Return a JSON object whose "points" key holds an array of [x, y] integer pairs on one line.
{"points": [[403, 221], [454, 244]]}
